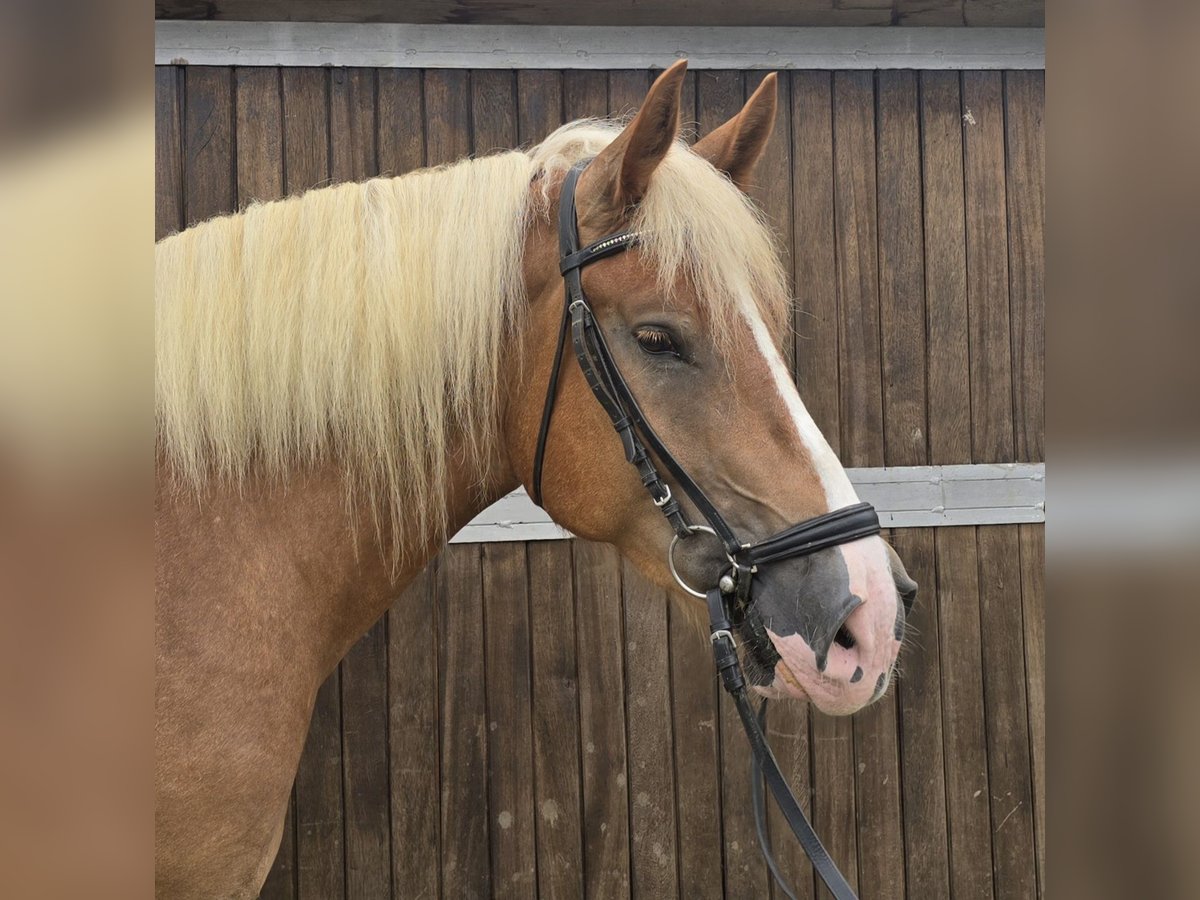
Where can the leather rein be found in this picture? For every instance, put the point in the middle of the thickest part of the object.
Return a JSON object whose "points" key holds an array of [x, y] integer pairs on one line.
{"points": [[730, 606]]}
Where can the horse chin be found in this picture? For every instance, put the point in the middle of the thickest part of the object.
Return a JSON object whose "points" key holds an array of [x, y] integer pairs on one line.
{"points": [[783, 687]]}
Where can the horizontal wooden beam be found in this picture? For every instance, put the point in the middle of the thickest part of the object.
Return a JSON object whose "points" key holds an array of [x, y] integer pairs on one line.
{"points": [[906, 497], [592, 47]]}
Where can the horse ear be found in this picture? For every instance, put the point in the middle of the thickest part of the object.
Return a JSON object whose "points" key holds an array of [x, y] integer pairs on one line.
{"points": [[736, 146], [622, 170]]}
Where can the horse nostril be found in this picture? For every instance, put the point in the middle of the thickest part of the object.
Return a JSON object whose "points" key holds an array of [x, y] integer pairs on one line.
{"points": [[844, 638]]}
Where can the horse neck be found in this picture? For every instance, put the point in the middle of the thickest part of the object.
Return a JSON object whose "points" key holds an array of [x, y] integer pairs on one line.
{"points": [[297, 551]]}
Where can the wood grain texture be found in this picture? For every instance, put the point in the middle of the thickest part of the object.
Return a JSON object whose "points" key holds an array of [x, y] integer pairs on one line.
{"points": [[209, 161], [558, 797], [1025, 158], [599, 632], [652, 834], [1033, 599], [168, 151], [259, 135], [509, 714], [466, 870], [413, 738]]}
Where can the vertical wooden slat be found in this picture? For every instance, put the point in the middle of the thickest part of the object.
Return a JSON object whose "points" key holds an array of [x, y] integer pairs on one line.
{"points": [[992, 439], [168, 151], [259, 135], [281, 880], [465, 866], [305, 128], [539, 104], [558, 798], [208, 143], [719, 96], [651, 767], [813, 251], [904, 353], [319, 810], [364, 669], [413, 690], [493, 111], [964, 753], [1026, 157], [401, 128], [598, 618], [585, 94], [510, 747], [1033, 596]]}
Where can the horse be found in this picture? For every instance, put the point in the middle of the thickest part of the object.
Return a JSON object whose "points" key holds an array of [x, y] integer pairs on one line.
{"points": [[347, 377]]}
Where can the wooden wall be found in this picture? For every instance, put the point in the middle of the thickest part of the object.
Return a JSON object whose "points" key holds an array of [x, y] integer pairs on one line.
{"points": [[533, 719]]}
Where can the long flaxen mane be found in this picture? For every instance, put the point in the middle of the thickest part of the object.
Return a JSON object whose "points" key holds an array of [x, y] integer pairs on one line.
{"points": [[368, 323]]}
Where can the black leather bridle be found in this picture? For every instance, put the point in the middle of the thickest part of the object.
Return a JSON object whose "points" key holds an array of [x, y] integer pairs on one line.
{"points": [[730, 606]]}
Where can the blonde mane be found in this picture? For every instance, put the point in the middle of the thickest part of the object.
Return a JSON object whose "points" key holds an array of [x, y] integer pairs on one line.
{"points": [[368, 322]]}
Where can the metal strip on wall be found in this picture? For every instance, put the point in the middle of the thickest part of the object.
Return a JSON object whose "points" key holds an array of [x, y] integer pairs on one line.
{"points": [[592, 47], [906, 497]]}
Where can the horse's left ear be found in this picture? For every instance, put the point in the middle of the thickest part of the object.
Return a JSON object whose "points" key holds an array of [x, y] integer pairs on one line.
{"points": [[621, 171], [736, 146]]}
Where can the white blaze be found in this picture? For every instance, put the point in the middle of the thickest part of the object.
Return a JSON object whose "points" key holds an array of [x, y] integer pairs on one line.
{"points": [[839, 491]]}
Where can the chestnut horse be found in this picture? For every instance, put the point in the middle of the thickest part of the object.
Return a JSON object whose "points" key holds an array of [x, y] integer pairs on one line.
{"points": [[347, 377]]}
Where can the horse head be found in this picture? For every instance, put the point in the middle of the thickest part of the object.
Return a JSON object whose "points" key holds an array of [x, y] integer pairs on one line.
{"points": [[692, 315]]}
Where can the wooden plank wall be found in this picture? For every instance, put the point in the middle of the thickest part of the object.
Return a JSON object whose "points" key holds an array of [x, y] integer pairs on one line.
{"points": [[535, 720]]}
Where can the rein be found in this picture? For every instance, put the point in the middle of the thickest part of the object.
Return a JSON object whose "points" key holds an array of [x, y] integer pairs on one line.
{"points": [[730, 604]]}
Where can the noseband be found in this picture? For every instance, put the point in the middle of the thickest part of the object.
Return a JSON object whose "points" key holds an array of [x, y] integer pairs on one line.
{"points": [[730, 606]]}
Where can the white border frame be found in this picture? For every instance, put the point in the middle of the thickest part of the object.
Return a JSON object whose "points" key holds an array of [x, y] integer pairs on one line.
{"points": [[905, 497], [179, 42]]}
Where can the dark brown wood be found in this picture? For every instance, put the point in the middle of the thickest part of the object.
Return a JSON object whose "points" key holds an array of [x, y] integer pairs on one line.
{"points": [[208, 168], [401, 128], [814, 251], [259, 134], [510, 733], [945, 270], [968, 797], [1009, 766], [857, 268], [415, 778], [168, 151], [919, 695], [599, 626], [1008, 746], [539, 104], [1033, 599], [556, 745], [929, 13], [305, 128], [466, 871], [648, 703], [281, 880], [1025, 102]]}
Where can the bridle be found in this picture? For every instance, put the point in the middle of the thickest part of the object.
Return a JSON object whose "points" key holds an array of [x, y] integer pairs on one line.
{"points": [[730, 605]]}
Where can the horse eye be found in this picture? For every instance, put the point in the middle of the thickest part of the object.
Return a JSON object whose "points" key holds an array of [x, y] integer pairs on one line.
{"points": [[656, 341]]}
